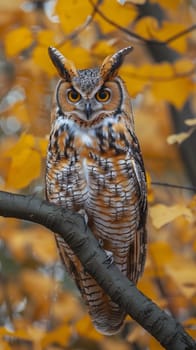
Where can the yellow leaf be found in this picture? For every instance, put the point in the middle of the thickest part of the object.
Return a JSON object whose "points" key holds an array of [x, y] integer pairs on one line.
{"points": [[20, 111], [190, 322], [79, 55], [120, 14], [73, 13], [36, 334], [147, 287], [58, 336], [39, 288], [154, 344], [190, 326], [45, 37], [85, 328], [23, 245], [190, 122], [175, 91], [179, 138], [41, 59], [43, 144], [25, 163], [4, 345], [149, 188], [183, 66], [25, 167], [112, 343], [183, 274], [133, 83], [26, 140], [9, 5], [161, 252], [69, 302], [135, 2], [102, 49], [18, 334], [170, 29], [18, 40], [162, 214], [149, 28]]}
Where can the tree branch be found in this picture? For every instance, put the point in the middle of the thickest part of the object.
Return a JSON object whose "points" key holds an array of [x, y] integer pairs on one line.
{"points": [[135, 35], [73, 229]]}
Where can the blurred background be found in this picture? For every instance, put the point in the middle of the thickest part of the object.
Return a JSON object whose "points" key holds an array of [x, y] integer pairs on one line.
{"points": [[40, 307]]}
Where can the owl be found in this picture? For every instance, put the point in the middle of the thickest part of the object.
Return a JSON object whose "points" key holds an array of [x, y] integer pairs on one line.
{"points": [[95, 167]]}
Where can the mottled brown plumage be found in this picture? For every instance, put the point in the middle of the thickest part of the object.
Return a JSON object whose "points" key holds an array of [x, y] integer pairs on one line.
{"points": [[94, 163]]}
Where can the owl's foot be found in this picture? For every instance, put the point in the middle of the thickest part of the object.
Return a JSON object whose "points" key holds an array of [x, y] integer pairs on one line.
{"points": [[109, 257], [100, 242], [84, 214]]}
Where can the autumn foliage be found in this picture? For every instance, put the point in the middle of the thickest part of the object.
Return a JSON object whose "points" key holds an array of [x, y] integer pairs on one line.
{"points": [[40, 307]]}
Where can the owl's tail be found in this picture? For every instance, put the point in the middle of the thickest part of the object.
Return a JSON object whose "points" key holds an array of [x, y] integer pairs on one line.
{"points": [[108, 318], [106, 315]]}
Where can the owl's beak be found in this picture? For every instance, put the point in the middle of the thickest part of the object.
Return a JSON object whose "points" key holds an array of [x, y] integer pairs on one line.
{"points": [[88, 110]]}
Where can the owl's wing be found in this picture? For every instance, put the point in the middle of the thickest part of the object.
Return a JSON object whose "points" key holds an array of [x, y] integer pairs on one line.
{"points": [[137, 254], [70, 261]]}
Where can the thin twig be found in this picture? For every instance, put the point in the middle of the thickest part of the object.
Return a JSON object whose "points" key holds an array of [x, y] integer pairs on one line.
{"points": [[180, 34], [165, 184]]}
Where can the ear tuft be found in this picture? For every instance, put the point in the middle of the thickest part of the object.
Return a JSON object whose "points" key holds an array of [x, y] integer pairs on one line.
{"points": [[111, 64], [65, 68]]}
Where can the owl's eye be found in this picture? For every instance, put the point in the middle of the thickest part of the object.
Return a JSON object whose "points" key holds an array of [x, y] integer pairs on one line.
{"points": [[73, 96], [103, 95]]}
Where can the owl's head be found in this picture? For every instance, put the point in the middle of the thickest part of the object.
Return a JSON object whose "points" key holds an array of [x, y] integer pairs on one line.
{"points": [[88, 95]]}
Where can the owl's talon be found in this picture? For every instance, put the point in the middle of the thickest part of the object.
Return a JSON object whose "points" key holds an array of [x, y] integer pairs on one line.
{"points": [[84, 214], [109, 258], [100, 242]]}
